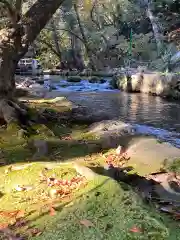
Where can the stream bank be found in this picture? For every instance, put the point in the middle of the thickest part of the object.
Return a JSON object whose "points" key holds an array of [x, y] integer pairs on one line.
{"points": [[151, 115], [166, 85], [39, 172]]}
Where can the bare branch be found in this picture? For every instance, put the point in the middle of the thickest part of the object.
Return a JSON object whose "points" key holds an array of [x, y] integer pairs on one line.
{"points": [[68, 30], [35, 19]]}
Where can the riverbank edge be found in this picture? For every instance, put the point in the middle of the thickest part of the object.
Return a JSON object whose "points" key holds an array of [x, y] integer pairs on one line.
{"points": [[165, 85]]}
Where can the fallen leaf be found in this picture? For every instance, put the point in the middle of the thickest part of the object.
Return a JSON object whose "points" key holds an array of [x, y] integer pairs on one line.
{"points": [[53, 193], [3, 226], [118, 150], [20, 223], [86, 223], [12, 214], [135, 229], [177, 216], [66, 138], [110, 158], [20, 214], [35, 232], [52, 212], [23, 188]]}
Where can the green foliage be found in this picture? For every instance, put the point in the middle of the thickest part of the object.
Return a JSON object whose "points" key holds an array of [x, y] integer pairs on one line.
{"points": [[106, 25], [174, 166]]}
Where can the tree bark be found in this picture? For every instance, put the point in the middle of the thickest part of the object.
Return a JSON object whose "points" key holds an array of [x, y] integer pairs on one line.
{"points": [[156, 30], [14, 43], [88, 50], [55, 38]]}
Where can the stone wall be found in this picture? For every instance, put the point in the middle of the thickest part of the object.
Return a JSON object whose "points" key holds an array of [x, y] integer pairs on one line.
{"points": [[155, 83]]}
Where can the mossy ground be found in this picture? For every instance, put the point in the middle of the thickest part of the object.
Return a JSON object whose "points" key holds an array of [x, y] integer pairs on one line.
{"points": [[112, 208]]}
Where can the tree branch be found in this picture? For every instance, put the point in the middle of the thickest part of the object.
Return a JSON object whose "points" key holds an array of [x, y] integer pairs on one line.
{"points": [[97, 23], [92, 17], [11, 11], [50, 47], [18, 6], [35, 19], [68, 30]]}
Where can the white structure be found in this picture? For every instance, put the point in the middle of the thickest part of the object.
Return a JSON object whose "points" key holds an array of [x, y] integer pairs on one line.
{"points": [[30, 66]]}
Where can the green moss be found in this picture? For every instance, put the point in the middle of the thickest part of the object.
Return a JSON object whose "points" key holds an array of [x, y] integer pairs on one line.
{"points": [[58, 105], [173, 166], [69, 150], [13, 127], [112, 209], [89, 136]]}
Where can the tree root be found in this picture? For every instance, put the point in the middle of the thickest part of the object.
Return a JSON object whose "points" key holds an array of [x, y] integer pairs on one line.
{"points": [[12, 111]]}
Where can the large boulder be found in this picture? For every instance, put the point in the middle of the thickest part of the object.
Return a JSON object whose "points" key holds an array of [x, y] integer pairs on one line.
{"points": [[111, 127], [127, 80], [155, 83], [111, 132], [148, 155]]}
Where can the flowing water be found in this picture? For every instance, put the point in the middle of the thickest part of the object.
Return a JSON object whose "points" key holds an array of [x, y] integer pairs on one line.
{"points": [[150, 115]]}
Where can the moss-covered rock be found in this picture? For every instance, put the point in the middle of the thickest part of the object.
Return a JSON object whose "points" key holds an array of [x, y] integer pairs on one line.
{"points": [[173, 166], [155, 83], [113, 82], [119, 81], [74, 79], [94, 79]]}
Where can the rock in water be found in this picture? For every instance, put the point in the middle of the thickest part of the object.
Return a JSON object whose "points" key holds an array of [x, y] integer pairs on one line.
{"points": [[85, 171], [111, 126]]}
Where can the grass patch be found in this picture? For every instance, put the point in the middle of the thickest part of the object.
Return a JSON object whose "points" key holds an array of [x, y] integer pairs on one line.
{"points": [[112, 208]]}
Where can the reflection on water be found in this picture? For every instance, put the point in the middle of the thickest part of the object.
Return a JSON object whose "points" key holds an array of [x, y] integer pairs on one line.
{"points": [[150, 115], [134, 108]]}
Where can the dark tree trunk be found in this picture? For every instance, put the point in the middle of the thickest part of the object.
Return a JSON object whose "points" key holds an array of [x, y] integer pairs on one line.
{"points": [[7, 70], [14, 43]]}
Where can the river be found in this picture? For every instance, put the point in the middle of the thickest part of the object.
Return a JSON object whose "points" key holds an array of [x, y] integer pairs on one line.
{"points": [[150, 114]]}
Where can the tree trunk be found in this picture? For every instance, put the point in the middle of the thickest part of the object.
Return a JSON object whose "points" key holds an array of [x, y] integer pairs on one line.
{"points": [[156, 30], [14, 43], [7, 70], [88, 50], [55, 38]]}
